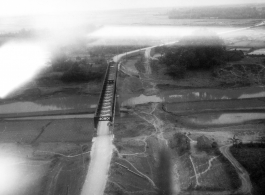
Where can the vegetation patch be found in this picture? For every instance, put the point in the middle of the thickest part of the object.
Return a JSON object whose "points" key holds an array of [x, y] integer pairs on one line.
{"points": [[79, 73], [180, 143], [202, 51], [243, 74]]}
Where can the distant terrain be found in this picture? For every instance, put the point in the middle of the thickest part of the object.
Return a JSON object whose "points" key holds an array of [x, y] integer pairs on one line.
{"points": [[219, 12]]}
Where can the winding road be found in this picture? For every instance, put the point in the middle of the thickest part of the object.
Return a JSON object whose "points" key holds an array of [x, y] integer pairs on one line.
{"points": [[246, 186]]}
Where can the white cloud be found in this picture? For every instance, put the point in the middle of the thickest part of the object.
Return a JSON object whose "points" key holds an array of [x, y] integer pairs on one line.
{"points": [[19, 63]]}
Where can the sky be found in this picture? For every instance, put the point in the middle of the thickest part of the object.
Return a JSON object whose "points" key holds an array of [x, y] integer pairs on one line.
{"points": [[32, 7]]}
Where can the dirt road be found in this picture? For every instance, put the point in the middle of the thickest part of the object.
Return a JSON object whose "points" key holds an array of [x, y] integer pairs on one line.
{"points": [[246, 186]]}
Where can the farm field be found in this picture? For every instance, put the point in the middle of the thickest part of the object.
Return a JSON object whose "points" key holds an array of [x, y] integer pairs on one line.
{"points": [[50, 156]]}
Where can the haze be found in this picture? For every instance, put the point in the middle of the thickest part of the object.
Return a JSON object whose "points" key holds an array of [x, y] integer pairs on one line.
{"points": [[29, 7]]}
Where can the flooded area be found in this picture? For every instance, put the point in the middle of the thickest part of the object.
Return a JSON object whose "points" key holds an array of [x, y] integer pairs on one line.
{"points": [[225, 118], [141, 99], [51, 104], [189, 95], [217, 106]]}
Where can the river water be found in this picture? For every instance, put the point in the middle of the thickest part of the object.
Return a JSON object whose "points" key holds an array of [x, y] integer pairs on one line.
{"points": [[187, 95], [225, 118]]}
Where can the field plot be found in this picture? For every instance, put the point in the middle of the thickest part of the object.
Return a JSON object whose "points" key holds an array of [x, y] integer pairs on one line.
{"points": [[34, 131], [46, 156], [133, 165], [215, 106], [206, 173], [131, 176]]}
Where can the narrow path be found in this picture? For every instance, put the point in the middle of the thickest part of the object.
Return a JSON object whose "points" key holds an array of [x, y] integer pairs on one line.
{"points": [[61, 154], [157, 123], [209, 165], [140, 174], [246, 186], [195, 172], [41, 132]]}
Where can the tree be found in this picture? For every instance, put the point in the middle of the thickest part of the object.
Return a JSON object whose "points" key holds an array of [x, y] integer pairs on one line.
{"points": [[234, 140], [79, 73], [202, 50], [60, 62]]}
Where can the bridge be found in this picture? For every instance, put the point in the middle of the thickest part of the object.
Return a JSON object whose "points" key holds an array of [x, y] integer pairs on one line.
{"points": [[106, 107], [102, 147], [105, 110]]}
